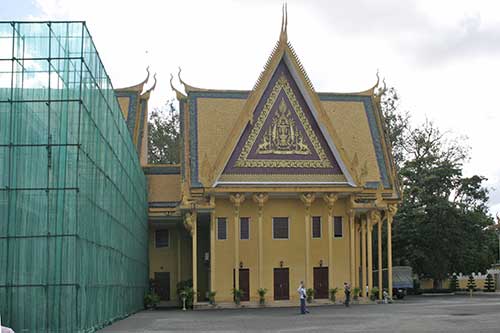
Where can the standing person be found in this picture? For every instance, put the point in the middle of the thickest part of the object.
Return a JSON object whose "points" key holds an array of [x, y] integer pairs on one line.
{"points": [[302, 295], [347, 292]]}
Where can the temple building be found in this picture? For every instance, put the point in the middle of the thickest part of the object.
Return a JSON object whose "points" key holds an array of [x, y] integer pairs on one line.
{"points": [[276, 185]]}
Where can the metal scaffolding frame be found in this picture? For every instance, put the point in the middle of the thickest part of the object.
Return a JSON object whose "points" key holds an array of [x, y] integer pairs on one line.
{"points": [[73, 196]]}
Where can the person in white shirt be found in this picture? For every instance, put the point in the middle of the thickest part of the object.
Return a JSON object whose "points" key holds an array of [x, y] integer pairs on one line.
{"points": [[302, 293]]}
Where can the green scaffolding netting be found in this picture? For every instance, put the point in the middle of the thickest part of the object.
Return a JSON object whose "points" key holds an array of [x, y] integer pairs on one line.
{"points": [[73, 218]]}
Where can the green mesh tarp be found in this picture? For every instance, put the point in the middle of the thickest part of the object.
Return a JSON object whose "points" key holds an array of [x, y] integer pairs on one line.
{"points": [[73, 218]]}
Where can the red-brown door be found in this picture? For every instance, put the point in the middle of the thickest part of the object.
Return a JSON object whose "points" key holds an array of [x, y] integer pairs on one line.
{"points": [[281, 284], [245, 283], [320, 282]]}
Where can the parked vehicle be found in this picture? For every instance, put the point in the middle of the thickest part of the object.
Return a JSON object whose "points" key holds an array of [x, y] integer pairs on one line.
{"points": [[402, 280]]}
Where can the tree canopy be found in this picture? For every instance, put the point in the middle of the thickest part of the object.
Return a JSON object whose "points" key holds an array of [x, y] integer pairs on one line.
{"points": [[164, 135], [442, 225]]}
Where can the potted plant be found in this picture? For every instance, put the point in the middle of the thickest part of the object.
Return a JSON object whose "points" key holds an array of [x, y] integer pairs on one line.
{"points": [[262, 295], [355, 293], [185, 293], [237, 293], [211, 297], [374, 293], [333, 293], [151, 300], [310, 295]]}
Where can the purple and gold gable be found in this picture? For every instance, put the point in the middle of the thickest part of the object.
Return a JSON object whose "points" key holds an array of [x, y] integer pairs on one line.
{"points": [[283, 140], [283, 134]]}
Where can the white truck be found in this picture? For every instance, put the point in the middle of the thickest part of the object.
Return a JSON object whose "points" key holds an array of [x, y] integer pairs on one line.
{"points": [[402, 280]]}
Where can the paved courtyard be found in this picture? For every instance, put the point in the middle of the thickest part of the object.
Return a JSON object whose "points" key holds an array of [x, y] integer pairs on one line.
{"points": [[414, 314]]}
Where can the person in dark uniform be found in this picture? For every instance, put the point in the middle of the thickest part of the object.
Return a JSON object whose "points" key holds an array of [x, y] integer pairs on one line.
{"points": [[347, 292]]}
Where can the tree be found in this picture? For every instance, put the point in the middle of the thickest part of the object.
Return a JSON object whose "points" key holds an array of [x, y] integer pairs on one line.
{"points": [[396, 123], [471, 283], [454, 282], [164, 135], [489, 284], [442, 223]]}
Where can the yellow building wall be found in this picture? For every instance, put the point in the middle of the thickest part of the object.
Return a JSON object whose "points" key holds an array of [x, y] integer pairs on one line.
{"points": [[158, 185], [176, 258], [291, 251], [462, 283]]}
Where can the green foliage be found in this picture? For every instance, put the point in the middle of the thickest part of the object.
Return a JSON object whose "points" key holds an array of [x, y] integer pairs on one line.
{"points": [[310, 295], [262, 295], [454, 282], [355, 293], [442, 223], [489, 283], [164, 135], [471, 283], [374, 293], [185, 290], [237, 293], [333, 294], [151, 300], [211, 297]]}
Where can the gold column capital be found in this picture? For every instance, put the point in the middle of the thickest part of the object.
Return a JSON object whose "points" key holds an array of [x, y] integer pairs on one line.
{"points": [[392, 209], [375, 216], [237, 199], [307, 199], [188, 222], [260, 199], [330, 199], [351, 213]]}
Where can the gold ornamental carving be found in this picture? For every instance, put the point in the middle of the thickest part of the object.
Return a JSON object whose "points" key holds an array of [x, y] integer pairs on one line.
{"points": [[283, 137], [284, 144]]}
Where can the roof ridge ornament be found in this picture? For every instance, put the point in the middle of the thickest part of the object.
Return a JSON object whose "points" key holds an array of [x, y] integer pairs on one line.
{"points": [[179, 95], [138, 87], [187, 87], [284, 24]]}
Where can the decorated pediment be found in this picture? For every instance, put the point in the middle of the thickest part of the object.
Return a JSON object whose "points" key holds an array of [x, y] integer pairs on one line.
{"points": [[283, 140]]}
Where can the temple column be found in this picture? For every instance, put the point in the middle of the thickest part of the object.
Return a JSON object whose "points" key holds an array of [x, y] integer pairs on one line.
{"points": [[260, 199], [369, 245], [190, 220], [330, 199], [179, 267], [237, 199], [379, 254], [307, 199], [213, 229], [391, 211], [351, 214], [363, 256], [358, 253]]}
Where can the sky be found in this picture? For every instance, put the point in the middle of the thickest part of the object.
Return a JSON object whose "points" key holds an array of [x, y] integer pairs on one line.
{"points": [[443, 57]]}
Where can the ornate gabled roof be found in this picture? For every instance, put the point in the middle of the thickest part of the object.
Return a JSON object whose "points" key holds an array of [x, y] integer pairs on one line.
{"points": [[284, 53]]}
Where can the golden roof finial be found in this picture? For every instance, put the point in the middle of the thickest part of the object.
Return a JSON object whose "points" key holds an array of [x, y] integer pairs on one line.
{"points": [[284, 23], [178, 94]]}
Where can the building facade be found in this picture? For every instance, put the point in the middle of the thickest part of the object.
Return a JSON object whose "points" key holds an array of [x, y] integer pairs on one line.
{"points": [[276, 185]]}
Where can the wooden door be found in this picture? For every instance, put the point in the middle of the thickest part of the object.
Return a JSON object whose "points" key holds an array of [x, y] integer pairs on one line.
{"points": [[162, 285], [320, 282], [245, 283], [281, 284]]}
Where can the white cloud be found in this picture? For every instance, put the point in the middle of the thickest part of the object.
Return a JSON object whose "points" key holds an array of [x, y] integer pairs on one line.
{"points": [[442, 56]]}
